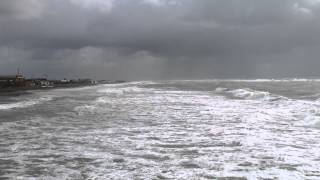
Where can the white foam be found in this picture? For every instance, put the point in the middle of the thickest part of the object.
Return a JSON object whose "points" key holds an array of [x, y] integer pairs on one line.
{"points": [[312, 121], [24, 104], [221, 89], [188, 134], [85, 109], [272, 80], [119, 90], [250, 80], [250, 94]]}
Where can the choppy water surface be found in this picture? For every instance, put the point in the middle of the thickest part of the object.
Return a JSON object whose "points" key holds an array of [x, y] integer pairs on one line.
{"points": [[164, 130]]}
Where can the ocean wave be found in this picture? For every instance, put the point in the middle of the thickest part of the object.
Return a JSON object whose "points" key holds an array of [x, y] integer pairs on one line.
{"points": [[248, 80], [309, 114], [85, 109], [194, 133], [221, 89], [271, 80], [249, 94], [24, 104], [312, 121], [117, 90]]}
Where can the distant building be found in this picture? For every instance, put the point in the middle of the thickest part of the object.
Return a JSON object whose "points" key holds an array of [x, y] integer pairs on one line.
{"points": [[45, 83], [20, 80], [41, 82], [12, 81], [65, 80], [30, 83], [94, 82]]}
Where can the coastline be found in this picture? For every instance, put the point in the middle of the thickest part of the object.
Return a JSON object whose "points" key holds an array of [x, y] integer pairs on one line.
{"points": [[17, 91]]}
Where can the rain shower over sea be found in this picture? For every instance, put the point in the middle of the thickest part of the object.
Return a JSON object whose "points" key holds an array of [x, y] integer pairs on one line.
{"points": [[206, 129]]}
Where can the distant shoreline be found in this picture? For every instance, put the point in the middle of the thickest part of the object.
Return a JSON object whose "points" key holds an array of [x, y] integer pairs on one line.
{"points": [[16, 91]]}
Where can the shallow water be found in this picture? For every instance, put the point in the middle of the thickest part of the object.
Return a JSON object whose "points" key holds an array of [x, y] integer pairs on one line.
{"points": [[164, 130]]}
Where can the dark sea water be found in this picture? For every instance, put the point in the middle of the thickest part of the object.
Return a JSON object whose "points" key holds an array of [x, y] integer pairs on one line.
{"points": [[209, 129]]}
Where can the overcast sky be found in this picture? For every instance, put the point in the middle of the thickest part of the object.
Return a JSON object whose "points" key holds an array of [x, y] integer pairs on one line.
{"points": [[160, 39]]}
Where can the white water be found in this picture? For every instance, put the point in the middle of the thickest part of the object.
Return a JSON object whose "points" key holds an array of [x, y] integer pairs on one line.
{"points": [[254, 137], [132, 132], [24, 104]]}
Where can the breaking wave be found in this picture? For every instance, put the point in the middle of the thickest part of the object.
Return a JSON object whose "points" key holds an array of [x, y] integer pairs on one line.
{"points": [[312, 121], [249, 94], [304, 112], [24, 104], [271, 80], [120, 90], [166, 131]]}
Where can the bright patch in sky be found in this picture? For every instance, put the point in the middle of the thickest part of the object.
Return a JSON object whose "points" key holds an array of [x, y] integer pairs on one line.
{"points": [[160, 2], [313, 2], [304, 10], [101, 5]]}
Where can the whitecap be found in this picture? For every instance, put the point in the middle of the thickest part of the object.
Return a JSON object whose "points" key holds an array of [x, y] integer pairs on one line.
{"points": [[221, 89], [119, 90], [24, 104], [249, 94], [312, 120], [85, 109]]}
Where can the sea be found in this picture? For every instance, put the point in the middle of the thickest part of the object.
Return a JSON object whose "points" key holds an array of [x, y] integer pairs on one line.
{"points": [[185, 129]]}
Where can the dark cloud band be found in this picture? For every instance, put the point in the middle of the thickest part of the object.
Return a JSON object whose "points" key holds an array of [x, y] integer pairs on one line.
{"points": [[157, 39]]}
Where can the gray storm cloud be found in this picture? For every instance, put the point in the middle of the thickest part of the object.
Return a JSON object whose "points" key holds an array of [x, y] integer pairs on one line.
{"points": [[160, 39]]}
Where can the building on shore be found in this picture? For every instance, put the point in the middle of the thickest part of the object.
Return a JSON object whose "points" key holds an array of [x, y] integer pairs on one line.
{"points": [[40, 82], [18, 81], [12, 81]]}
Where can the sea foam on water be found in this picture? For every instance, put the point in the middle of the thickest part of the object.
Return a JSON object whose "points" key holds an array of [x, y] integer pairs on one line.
{"points": [[174, 130]]}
